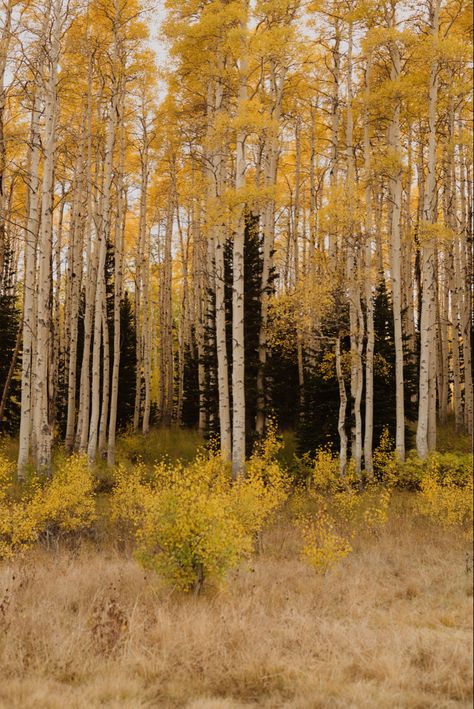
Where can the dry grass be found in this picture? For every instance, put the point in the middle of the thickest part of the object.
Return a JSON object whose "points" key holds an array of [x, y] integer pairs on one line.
{"points": [[388, 627]]}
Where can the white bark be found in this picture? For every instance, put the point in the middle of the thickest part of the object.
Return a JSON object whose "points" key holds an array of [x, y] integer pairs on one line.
{"points": [[341, 423], [31, 235], [426, 428], [99, 305], [41, 417], [395, 253], [369, 305]]}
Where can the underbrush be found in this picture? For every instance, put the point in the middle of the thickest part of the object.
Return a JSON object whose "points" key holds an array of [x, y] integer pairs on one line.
{"points": [[189, 522], [309, 565]]}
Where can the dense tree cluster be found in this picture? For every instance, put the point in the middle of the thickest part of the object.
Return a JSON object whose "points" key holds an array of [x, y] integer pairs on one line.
{"points": [[270, 217]]}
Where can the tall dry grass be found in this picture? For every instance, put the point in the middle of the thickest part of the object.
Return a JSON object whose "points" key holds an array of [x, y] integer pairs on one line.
{"points": [[389, 627]]}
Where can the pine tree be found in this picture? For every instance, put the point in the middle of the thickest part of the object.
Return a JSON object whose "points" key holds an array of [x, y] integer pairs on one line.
{"points": [[10, 344]]}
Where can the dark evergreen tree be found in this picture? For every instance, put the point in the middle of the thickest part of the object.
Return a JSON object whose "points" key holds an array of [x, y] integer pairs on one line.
{"points": [[190, 410], [317, 424], [10, 355], [282, 386], [128, 363], [384, 372]]}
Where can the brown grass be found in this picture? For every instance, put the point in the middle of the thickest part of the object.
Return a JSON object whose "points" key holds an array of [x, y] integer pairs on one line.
{"points": [[388, 627]]}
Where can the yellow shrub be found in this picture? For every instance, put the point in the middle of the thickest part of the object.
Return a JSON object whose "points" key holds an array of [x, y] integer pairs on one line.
{"points": [[191, 522], [326, 476], [376, 508], [18, 527], [445, 501], [367, 509], [130, 497], [265, 485], [66, 503], [385, 460], [61, 505], [323, 546], [343, 508], [457, 467]]}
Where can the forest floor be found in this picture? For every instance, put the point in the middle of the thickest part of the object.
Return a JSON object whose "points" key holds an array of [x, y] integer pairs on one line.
{"points": [[390, 626]]}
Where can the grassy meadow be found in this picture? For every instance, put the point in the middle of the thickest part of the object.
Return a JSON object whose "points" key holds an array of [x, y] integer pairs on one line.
{"points": [[83, 624]]}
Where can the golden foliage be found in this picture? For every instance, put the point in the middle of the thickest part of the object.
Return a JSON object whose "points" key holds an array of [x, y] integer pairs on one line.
{"points": [[191, 522], [60, 506]]}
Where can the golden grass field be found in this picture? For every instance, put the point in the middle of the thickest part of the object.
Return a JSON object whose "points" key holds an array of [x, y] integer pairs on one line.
{"points": [[390, 626]]}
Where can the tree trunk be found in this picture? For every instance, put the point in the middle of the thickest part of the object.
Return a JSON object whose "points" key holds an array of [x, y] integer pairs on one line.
{"points": [[426, 429], [42, 411], [28, 325], [395, 256], [341, 423], [238, 344]]}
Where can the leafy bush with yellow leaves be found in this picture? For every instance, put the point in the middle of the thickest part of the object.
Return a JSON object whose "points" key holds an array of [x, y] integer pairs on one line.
{"points": [[18, 525], [326, 476], [191, 522], [446, 497], [65, 504], [61, 505], [456, 467], [341, 508], [324, 546]]}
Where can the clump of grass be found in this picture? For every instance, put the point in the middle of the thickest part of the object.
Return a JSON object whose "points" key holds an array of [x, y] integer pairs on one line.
{"points": [[448, 440], [159, 444]]}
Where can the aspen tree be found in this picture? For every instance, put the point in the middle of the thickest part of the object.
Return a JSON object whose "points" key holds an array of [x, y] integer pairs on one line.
{"points": [[369, 355], [100, 323], [217, 250], [28, 326], [426, 428], [42, 404], [141, 278], [5, 39], [91, 258], [238, 345], [395, 236], [118, 285], [355, 309], [75, 281]]}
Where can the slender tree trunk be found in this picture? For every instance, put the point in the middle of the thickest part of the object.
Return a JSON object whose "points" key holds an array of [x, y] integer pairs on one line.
{"points": [[238, 344], [395, 257], [369, 303], [75, 276], [42, 411], [4, 46], [268, 246], [341, 423], [426, 429], [119, 233], [100, 336], [28, 326]]}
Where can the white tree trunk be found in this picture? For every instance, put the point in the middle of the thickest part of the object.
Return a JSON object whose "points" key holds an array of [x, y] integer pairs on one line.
{"points": [[396, 256], [31, 236], [41, 418], [238, 344], [426, 428], [341, 423]]}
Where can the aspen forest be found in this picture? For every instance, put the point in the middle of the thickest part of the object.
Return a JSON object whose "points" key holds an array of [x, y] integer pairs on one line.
{"points": [[236, 332]]}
